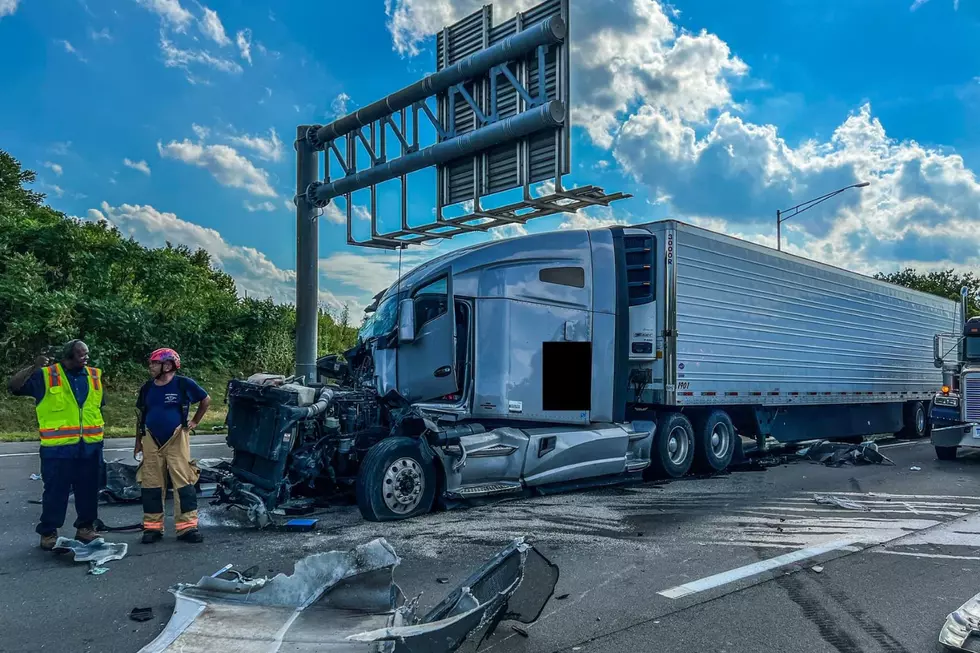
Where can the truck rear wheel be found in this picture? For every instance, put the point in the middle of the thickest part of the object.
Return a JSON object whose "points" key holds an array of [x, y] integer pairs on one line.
{"points": [[714, 441], [946, 453], [397, 480], [916, 421], [673, 447]]}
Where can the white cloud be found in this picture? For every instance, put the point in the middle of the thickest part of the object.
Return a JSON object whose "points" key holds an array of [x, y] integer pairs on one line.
{"points": [[508, 231], [244, 41], [54, 167], [200, 132], [269, 149], [174, 57], [70, 49], [141, 166], [61, 148], [101, 35], [8, 7], [261, 206], [372, 271], [361, 212], [170, 12], [224, 163], [210, 25], [338, 107]]}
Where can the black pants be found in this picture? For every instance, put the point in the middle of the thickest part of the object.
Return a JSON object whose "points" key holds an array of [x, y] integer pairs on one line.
{"points": [[62, 476]]}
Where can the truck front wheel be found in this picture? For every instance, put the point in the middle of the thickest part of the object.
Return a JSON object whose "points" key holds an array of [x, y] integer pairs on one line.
{"points": [[397, 480], [673, 447], [946, 453], [714, 441]]}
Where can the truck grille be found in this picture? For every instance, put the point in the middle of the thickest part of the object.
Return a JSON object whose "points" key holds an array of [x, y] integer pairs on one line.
{"points": [[971, 398]]}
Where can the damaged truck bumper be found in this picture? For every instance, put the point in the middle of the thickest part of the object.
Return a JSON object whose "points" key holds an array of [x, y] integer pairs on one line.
{"points": [[956, 435], [348, 601]]}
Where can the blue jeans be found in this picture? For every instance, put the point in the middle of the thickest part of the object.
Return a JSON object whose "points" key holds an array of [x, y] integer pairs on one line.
{"points": [[62, 476]]}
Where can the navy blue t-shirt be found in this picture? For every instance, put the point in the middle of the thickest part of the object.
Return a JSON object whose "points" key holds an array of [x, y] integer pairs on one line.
{"points": [[163, 412], [78, 381]]}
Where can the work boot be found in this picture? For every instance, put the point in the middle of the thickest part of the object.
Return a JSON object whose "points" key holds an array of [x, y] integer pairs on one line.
{"points": [[48, 541], [149, 537], [86, 535], [193, 535]]}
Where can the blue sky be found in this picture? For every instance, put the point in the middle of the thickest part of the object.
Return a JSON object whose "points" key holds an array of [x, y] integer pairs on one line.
{"points": [[174, 120]]}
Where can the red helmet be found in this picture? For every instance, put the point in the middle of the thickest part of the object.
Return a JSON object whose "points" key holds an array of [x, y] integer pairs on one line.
{"points": [[165, 354]]}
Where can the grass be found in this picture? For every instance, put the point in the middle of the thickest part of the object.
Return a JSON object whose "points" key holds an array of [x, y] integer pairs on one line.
{"points": [[18, 420]]}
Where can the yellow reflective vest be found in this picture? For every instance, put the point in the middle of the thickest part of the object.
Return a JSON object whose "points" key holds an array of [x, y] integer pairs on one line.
{"points": [[61, 420]]}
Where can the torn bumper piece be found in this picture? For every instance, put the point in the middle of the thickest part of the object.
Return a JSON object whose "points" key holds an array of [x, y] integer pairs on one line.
{"points": [[961, 632], [348, 601]]}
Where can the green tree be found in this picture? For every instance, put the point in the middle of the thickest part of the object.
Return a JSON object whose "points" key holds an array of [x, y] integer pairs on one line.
{"points": [[944, 283]]}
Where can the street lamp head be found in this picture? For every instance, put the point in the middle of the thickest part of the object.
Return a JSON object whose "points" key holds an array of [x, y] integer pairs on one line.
{"points": [[862, 184]]}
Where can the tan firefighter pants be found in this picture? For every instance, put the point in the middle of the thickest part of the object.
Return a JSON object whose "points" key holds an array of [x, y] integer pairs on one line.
{"points": [[171, 461]]}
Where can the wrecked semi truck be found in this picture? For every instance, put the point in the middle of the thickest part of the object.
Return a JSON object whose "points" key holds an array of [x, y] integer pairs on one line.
{"points": [[955, 411], [578, 357]]}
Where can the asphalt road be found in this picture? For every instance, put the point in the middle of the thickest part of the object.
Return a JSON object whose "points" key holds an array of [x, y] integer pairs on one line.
{"points": [[653, 567]]}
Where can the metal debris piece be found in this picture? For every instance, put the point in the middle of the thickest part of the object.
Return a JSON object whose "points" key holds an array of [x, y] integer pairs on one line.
{"points": [[836, 454], [520, 631], [847, 504], [817, 568], [915, 468], [121, 485], [96, 553], [962, 625], [141, 614], [330, 596]]}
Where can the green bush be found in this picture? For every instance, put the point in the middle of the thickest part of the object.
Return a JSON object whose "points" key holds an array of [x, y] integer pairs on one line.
{"points": [[63, 278]]}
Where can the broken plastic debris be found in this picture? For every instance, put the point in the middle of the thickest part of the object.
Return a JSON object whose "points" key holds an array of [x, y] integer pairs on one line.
{"points": [[95, 570], [847, 504], [915, 468], [35, 477], [817, 568], [331, 595], [835, 454], [961, 625], [141, 614], [97, 552]]}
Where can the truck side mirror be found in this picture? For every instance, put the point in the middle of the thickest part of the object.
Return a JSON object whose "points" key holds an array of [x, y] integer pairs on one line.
{"points": [[406, 320]]}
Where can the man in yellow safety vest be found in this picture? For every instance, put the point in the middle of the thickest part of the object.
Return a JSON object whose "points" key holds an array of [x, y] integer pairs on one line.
{"points": [[69, 397]]}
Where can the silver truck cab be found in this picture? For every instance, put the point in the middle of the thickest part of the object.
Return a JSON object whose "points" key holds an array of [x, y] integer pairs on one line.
{"points": [[955, 411]]}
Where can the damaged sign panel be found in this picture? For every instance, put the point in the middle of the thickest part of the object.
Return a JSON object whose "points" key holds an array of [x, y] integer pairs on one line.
{"points": [[348, 601]]}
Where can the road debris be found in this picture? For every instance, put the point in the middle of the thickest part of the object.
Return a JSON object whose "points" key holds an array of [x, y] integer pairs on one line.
{"points": [[348, 601], [915, 468], [121, 485], [520, 631], [817, 569], [141, 614], [847, 504], [837, 454], [35, 477], [962, 625], [96, 553]]}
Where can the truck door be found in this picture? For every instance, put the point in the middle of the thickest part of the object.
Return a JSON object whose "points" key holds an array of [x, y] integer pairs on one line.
{"points": [[426, 366]]}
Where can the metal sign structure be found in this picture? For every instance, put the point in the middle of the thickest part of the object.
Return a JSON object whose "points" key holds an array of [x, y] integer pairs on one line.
{"points": [[497, 109]]}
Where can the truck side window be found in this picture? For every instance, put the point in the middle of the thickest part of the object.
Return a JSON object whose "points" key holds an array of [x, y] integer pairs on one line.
{"points": [[431, 301], [574, 277]]}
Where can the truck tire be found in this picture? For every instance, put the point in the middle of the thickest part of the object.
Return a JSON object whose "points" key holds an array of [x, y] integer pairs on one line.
{"points": [[714, 441], [946, 453], [397, 480], [916, 421], [673, 447]]}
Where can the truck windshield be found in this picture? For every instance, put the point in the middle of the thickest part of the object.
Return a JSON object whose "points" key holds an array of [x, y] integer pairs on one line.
{"points": [[382, 322], [973, 347]]}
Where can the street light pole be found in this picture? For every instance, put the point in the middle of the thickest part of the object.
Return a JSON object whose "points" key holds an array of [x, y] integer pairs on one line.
{"points": [[800, 208]]}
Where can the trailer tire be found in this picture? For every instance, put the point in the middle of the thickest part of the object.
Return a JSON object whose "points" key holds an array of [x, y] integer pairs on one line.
{"points": [[673, 447], [946, 453], [916, 421], [714, 441], [402, 466]]}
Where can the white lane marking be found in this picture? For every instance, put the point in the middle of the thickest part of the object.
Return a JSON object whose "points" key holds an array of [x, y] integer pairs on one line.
{"points": [[900, 444], [941, 556], [34, 453], [755, 568], [886, 495]]}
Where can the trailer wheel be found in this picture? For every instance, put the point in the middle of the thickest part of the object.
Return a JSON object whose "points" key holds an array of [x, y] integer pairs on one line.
{"points": [[946, 453], [714, 441], [916, 421], [397, 480], [673, 447]]}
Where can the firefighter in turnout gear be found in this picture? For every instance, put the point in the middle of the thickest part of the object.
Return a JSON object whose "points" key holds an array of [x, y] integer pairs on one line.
{"points": [[163, 437], [69, 397]]}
